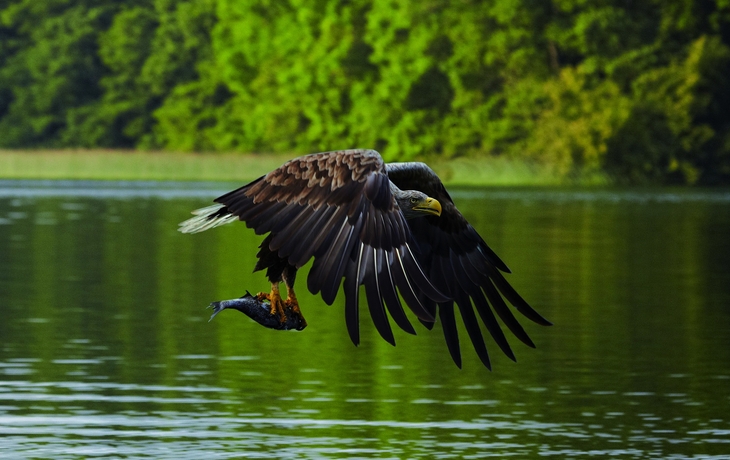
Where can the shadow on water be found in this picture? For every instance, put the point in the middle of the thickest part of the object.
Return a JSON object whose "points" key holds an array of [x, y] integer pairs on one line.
{"points": [[106, 350]]}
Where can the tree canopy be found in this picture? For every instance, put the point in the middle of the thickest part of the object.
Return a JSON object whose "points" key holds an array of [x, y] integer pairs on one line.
{"points": [[640, 90]]}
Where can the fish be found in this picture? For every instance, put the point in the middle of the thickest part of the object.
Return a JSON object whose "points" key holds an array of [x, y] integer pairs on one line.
{"points": [[260, 312]]}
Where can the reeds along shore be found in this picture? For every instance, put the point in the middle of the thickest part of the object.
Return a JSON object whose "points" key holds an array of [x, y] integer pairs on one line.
{"points": [[138, 165]]}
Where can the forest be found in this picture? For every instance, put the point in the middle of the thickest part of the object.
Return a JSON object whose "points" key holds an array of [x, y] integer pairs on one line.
{"points": [[638, 90]]}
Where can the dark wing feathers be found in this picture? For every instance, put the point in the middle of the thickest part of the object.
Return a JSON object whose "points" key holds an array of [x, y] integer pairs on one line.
{"points": [[448, 323], [303, 250], [390, 296], [338, 260], [352, 308], [374, 296], [472, 327], [338, 207], [408, 287], [505, 314], [463, 267]]}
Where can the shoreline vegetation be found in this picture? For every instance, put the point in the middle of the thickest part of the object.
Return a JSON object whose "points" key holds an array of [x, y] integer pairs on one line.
{"points": [[178, 166], [639, 91]]}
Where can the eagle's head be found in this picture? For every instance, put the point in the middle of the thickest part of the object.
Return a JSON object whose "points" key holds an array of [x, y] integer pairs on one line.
{"points": [[417, 204]]}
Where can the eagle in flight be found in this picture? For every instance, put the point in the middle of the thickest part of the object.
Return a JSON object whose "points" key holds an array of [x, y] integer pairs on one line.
{"points": [[390, 227]]}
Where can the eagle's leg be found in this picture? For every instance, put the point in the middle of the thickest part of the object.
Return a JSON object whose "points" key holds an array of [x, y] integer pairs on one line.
{"points": [[276, 305], [289, 276], [292, 302], [278, 270]]}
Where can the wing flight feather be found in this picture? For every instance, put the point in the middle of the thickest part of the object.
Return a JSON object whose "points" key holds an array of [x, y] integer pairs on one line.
{"points": [[463, 267]]}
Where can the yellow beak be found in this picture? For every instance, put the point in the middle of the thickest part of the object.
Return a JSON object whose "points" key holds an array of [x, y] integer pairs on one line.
{"points": [[429, 206]]}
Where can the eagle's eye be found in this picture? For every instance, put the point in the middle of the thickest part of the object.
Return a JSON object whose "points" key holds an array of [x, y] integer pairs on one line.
{"points": [[414, 200]]}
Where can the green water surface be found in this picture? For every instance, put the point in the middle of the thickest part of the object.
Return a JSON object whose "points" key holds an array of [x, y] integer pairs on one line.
{"points": [[106, 350]]}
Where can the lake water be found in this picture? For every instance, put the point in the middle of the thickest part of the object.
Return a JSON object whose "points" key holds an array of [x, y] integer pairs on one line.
{"points": [[106, 350]]}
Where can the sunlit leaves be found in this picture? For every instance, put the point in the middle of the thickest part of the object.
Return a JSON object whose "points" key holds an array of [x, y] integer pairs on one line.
{"points": [[637, 88]]}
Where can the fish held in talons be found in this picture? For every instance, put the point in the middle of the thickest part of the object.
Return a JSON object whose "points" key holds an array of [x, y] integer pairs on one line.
{"points": [[260, 311]]}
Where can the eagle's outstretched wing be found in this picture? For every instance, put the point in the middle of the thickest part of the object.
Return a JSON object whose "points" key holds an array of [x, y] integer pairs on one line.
{"points": [[338, 208], [461, 265]]}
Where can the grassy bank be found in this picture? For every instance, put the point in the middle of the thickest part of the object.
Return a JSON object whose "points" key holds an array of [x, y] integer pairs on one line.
{"points": [[133, 165]]}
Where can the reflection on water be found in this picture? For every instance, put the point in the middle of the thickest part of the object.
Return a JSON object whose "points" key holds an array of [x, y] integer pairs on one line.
{"points": [[106, 350]]}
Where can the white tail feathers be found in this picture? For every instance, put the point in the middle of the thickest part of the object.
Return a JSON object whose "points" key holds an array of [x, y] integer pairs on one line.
{"points": [[206, 218]]}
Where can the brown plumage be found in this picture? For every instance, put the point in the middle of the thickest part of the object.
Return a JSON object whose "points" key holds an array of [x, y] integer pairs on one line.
{"points": [[391, 228]]}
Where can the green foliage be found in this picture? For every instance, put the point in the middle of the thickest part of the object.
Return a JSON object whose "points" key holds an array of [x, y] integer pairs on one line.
{"points": [[572, 132], [638, 90], [122, 114], [53, 68], [679, 126]]}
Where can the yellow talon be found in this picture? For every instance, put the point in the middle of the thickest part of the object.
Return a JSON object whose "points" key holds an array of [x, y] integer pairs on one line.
{"points": [[276, 305], [293, 304]]}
